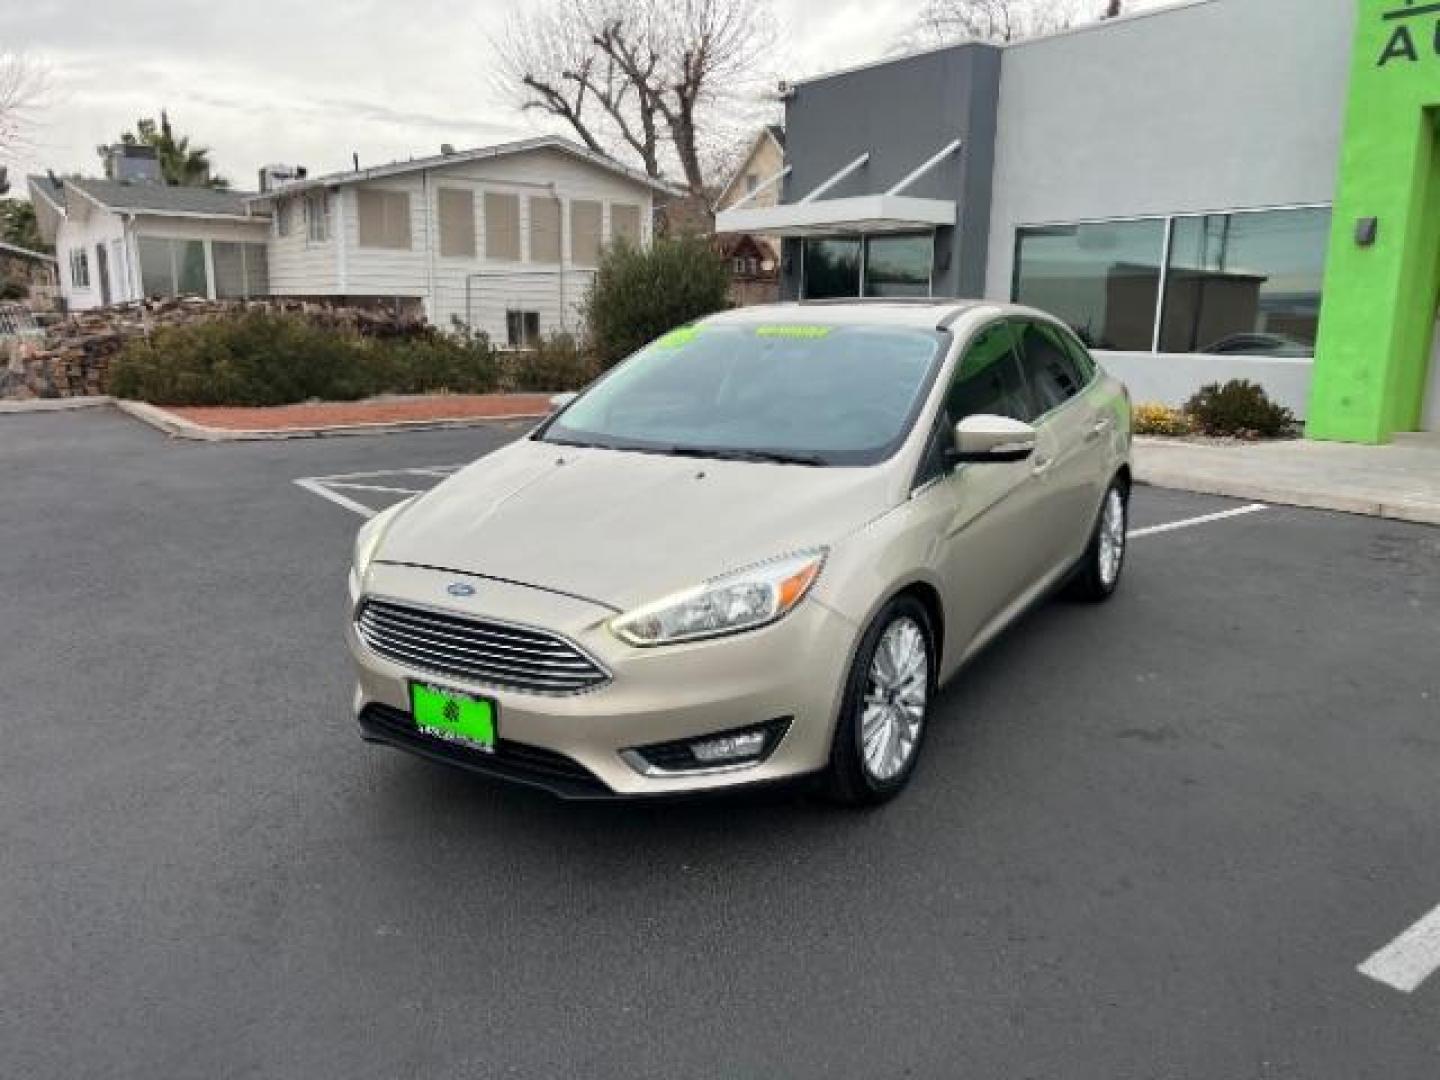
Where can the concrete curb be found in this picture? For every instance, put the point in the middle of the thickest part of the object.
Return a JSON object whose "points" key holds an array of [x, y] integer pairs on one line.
{"points": [[1423, 511], [180, 428], [40, 405]]}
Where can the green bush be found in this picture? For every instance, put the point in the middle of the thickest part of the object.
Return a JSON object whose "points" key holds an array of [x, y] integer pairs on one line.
{"points": [[263, 358], [556, 363], [1240, 408], [639, 294]]}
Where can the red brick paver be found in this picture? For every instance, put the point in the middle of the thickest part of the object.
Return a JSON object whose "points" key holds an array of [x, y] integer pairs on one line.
{"points": [[375, 411]]}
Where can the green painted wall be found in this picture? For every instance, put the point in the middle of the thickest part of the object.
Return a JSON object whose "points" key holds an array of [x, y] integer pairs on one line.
{"points": [[1379, 304]]}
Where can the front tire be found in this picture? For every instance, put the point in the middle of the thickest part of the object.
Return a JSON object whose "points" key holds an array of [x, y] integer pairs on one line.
{"points": [[1098, 575], [886, 707]]}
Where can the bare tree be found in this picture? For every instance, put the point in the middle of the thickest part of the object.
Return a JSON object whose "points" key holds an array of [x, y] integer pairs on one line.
{"points": [[649, 79], [24, 86], [945, 22]]}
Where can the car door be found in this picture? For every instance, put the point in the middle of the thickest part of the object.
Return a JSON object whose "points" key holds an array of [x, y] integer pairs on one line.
{"points": [[1071, 472], [990, 550]]}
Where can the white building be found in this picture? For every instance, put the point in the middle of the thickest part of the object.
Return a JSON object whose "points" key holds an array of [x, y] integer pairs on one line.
{"points": [[502, 239], [122, 239]]}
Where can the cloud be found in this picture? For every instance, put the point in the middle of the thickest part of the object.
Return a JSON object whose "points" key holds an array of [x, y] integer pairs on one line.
{"points": [[276, 81]]}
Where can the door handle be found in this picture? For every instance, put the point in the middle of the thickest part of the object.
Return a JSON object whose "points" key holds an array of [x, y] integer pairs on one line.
{"points": [[1040, 465], [1099, 428]]}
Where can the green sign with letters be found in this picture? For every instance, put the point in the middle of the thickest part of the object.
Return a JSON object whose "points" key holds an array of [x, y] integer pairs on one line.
{"points": [[1382, 274]]}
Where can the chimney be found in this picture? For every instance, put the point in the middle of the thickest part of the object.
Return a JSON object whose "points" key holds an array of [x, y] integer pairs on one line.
{"points": [[133, 164], [277, 176]]}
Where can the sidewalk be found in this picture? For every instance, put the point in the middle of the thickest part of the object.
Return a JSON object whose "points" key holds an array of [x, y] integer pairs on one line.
{"points": [[1401, 480]]}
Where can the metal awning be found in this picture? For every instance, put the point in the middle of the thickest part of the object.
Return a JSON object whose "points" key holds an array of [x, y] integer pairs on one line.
{"points": [[856, 214], [814, 216]]}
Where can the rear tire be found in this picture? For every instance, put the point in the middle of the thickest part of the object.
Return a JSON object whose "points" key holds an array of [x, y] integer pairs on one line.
{"points": [[886, 707], [1098, 574]]}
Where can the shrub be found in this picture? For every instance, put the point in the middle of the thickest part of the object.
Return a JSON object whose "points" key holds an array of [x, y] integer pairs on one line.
{"points": [[639, 294], [1240, 408], [263, 358], [556, 363], [1151, 418]]}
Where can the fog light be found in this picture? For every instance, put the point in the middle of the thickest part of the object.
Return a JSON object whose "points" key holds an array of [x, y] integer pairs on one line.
{"points": [[729, 748], [737, 748]]}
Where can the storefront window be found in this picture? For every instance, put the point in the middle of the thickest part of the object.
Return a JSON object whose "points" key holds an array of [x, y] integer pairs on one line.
{"points": [[1245, 283], [831, 268], [898, 265], [1102, 279]]}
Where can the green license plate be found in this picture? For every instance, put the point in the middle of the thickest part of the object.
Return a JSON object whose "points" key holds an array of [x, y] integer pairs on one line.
{"points": [[454, 716]]}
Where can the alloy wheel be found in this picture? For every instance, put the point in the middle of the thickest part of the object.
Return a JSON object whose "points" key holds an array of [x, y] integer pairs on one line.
{"points": [[897, 690]]}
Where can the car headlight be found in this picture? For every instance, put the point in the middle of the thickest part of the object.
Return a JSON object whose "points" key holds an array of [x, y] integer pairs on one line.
{"points": [[742, 600]]}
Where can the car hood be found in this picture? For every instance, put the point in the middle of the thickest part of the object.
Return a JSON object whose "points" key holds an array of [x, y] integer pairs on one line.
{"points": [[623, 528]]}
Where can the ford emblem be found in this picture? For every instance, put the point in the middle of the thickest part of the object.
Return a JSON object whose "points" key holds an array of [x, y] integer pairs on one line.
{"points": [[460, 588]]}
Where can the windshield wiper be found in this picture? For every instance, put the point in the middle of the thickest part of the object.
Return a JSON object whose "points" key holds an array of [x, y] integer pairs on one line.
{"points": [[777, 457]]}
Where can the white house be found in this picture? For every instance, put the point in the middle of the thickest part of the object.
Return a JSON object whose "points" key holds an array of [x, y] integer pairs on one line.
{"points": [[133, 236], [502, 239]]}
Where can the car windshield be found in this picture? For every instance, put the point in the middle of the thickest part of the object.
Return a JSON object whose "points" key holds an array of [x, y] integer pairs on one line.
{"points": [[812, 395]]}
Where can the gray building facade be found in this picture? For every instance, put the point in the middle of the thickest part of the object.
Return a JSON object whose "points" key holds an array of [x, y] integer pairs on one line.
{"points": [[1163, 182]]}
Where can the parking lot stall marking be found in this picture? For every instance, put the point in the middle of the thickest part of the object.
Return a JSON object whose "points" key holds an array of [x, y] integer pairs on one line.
{"points": [[1203, 519], [1410, 959], [346, 485], [315, 487]]}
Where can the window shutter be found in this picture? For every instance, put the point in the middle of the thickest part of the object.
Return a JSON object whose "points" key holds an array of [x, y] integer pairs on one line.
{"points": [[544, 229], [457, 222], [502, 226], [584, 232], [625, 223]]}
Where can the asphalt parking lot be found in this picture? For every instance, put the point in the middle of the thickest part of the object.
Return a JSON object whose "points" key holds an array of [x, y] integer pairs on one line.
{"points": [[1152, 839]]}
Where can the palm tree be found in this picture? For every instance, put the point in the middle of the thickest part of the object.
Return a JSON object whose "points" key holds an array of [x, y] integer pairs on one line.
{"points": [[180, 164]]}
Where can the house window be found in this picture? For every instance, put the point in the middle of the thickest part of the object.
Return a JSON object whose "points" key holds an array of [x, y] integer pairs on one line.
{"points": [[502, 226], [625, 223], [544, 229], [172, 267], [317, 217], [241, 270], [80, 268], [383, 218], [1245, 283], [284, 209], [1101, 279], [522, 328], [585, 218], [752, 181], [457, 223]]}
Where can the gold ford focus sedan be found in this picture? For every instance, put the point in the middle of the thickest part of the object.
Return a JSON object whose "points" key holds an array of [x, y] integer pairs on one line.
{"points": [[752, 552]]}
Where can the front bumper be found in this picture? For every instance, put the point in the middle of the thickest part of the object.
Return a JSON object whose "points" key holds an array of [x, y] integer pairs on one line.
{"points": [[571, 744]]}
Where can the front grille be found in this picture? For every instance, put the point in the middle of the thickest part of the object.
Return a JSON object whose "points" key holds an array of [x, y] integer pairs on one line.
{"points": [[476, 650]]}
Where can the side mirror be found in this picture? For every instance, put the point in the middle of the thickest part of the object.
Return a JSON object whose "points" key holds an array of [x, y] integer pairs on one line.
{"points": [[984, 437], [559, 401]]}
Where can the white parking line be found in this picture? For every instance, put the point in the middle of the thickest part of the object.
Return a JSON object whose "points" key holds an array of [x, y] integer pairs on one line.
{"points": [[1410, 959], [428, 470], [315, 487], [332, 484], [1204, 519]]}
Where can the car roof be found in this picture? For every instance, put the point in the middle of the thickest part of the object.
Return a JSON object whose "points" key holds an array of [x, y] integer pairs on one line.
{"points": [[934, 313]]}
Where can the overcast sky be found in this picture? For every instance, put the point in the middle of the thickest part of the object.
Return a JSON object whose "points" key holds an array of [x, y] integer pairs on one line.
{"points": [[308, 83]]}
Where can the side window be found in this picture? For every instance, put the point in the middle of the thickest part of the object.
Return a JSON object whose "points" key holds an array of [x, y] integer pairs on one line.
{"points": [[988, 379], [1050, 370], [1078, 353]]}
